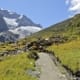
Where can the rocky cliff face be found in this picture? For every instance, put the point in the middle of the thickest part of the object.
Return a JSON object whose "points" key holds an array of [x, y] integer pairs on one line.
{"points": [[3, 25]]}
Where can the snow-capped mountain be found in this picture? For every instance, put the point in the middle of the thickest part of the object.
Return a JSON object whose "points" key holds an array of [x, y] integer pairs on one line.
{"points": [[17, 24]]}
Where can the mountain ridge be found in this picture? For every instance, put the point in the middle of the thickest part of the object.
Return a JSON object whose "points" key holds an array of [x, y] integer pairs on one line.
{"points": [[11, 21], [69, 27]]}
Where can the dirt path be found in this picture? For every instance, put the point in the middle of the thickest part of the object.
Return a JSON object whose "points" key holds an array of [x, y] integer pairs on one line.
{"points": [[49, 71]]}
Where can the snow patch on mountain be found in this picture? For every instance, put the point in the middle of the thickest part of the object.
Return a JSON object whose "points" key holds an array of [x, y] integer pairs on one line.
{"points": [[24, 31], [20, 17], [1, 9], [10, 21]]}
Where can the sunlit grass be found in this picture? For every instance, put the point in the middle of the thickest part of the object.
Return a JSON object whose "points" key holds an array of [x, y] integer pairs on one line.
{"points": [[15, 67], [68, 53]]}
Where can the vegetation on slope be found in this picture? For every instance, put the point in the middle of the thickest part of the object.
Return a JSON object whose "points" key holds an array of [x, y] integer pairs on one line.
{"points": [[15, 67], [68, 53], [69, 27]]}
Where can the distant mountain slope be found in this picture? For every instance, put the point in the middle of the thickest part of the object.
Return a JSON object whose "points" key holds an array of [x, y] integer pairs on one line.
{"points": [[13, 22], [69, 27], [8, 36], [25, 31], [16, 20]]}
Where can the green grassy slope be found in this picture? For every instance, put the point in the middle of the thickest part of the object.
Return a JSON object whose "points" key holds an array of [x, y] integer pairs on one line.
{"points": [[15, 67], [69, 27], [69, 52]]}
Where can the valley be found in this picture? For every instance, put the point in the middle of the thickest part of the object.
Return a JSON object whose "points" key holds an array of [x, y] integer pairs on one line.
{"points": [[18, 57]]}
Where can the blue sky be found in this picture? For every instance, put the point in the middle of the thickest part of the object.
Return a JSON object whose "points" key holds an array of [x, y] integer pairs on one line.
{"points": [[45, 12]]}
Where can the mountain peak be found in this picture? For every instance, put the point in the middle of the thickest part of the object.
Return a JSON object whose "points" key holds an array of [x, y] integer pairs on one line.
{"points": [[13, 22], [22, 20]]}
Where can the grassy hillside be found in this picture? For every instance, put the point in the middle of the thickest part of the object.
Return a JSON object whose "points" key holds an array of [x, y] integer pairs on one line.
{"points": [[68, 52], [69, 27], [15, 67]]}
